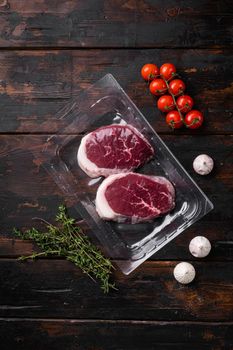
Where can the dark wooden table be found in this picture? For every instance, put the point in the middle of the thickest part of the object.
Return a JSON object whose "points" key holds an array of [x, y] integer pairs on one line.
{"points": [[51, 50]]}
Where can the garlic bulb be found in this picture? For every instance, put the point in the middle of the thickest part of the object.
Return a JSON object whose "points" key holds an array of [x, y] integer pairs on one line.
{"points": [[203, 164], [184, 272], [199, 246]]}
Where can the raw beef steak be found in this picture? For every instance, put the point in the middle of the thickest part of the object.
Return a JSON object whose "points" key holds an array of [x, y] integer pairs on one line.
{"points": [[134, 196], [113, 149]]}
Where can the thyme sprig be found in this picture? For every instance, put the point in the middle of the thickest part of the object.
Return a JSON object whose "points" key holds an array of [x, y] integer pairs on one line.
{"points": [[67, 240]]}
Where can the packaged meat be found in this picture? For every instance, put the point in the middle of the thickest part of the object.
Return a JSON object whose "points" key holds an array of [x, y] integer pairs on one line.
{"points": [[134, 197], [113, 149], [129, 237]]}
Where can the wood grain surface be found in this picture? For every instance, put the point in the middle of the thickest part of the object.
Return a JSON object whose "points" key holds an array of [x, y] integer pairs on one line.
{"points": [[136, 335], [52, 50], [35, 85], [32, 193], [221, 237], [116, 23], [50, 288], [31, 180]]}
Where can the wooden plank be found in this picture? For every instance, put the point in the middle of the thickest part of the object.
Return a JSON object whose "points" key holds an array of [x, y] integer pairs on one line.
{"points": [[32, 91], [220, 236], [34, 85], [111, 335], [57, 289], [116, 23], [30, 182], [27, 191]]}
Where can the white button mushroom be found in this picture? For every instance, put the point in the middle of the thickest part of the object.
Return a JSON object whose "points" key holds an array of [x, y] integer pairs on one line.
{"points": [[203, 164], [184, 272], [199, 247]]}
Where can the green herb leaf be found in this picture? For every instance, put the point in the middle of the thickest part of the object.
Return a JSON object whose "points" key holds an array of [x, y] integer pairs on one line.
{"points": [[67, 240]]}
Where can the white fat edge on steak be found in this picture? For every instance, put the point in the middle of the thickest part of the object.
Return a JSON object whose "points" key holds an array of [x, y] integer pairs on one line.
{"points": [[102, 207], [91, 169]]}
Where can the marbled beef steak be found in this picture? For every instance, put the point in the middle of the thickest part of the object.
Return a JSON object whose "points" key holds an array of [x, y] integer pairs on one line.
{"points": [[134, 197], [113, 149]]}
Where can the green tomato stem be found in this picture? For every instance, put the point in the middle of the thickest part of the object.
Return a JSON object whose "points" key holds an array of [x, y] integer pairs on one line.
{"points": [[174, 100]]}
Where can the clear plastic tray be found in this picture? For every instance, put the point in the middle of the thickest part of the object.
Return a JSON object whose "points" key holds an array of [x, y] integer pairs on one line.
{"points": [[130, 244]]}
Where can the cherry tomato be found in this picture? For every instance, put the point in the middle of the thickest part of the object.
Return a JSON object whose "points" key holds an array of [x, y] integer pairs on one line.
{"points": [[174, 120], [176, 87], [167, 70], [165, 103], [193, 119], [158, 87], [149, 71], [185, 103]]}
